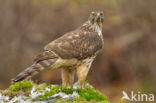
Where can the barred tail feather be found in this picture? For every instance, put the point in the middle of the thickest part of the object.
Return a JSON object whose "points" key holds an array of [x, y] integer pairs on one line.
{"points": [[33, 70]]}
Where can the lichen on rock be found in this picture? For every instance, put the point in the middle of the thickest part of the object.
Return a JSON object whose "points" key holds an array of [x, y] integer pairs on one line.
{"points": [[30, 92]]}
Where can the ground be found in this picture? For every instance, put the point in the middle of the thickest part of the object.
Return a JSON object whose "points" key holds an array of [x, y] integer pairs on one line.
{"points": [[30, 92]]}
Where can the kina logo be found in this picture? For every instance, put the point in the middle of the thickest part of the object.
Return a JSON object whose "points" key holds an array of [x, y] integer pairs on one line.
{"points": [[138, 97]]}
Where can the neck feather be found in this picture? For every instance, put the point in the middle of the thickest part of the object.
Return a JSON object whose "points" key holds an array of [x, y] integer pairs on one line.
{"points": [[91, 27]]}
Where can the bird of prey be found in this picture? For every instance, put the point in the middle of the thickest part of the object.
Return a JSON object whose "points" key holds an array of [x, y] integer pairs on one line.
{"points": [[74, 51]]}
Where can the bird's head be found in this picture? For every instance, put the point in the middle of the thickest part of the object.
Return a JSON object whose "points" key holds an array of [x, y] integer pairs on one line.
{"points": [[96, 17]]}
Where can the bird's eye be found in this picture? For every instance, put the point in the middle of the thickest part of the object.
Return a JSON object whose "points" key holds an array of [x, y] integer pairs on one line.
{"points": [[93, 14], [101, 14]]}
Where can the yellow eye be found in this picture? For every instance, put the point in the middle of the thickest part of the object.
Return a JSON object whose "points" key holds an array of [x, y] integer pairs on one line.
{"points": [[93, 14]]}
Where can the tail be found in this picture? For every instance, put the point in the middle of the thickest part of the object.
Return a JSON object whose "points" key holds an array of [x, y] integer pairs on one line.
{"points": [[33, 70]]}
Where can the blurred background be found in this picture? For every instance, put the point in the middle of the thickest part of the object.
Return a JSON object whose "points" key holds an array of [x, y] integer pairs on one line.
{"points": [[128, 61]]}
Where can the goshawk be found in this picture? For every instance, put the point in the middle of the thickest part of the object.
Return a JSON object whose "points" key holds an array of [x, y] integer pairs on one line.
{"points": [[74, 50]]}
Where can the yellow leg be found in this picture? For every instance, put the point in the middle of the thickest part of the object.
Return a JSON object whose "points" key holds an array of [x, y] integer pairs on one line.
{"points": [[82, 72], [67, 77]]}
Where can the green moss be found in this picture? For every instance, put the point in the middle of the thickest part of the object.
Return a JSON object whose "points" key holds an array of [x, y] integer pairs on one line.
{"points": [[53, 89], [21, 85], [91, 94], [15, 89], [81, 101], [88, 95]]}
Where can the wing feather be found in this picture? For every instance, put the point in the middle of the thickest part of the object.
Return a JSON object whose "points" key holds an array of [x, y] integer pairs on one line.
{"points": [[76, 44], [45, 56]]}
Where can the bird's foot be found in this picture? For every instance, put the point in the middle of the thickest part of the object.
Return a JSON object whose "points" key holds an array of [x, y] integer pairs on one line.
{"points": [[77, 86]]}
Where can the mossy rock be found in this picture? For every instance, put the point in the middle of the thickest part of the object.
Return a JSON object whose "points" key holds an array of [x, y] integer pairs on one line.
{"points": [[30, 92]]}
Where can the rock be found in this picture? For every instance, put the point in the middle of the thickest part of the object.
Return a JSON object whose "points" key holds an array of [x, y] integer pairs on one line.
{"points": [[30, 92]]}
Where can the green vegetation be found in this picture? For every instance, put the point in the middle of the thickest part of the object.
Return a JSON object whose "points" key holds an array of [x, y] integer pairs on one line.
{"points": [[80, 101], [46, 92], [21, 85]]}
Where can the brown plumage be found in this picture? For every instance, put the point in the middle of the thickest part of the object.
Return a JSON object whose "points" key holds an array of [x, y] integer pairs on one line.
{"points": [[33, 70], [75, 50]]}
